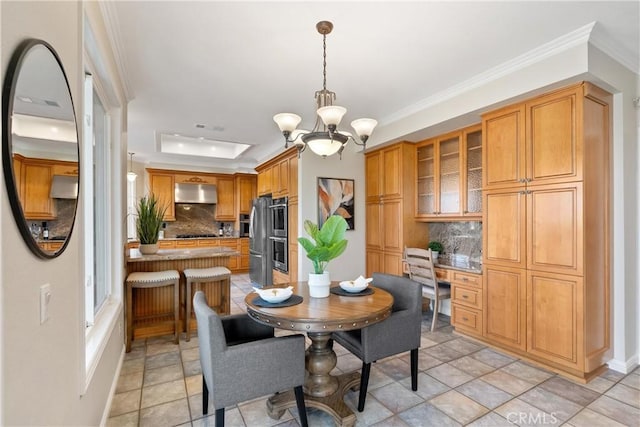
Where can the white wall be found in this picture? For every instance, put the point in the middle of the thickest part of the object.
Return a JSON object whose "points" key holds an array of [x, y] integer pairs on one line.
{"points": [[310, 167], [42, 367]]}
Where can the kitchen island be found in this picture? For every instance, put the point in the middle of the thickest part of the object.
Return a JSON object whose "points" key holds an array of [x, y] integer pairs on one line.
{"points": [[153, 307]]}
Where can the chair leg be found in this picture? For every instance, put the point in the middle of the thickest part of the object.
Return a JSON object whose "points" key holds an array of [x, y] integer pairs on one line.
{"points": [[176, 311], [220, 417], [187, 316], [129, 319], [364, 383], [414, 369], [302, 410], [205, 397], [436, 308]]}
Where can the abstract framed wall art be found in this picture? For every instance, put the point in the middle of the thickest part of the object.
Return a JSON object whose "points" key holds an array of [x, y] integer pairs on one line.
{"points": [[336, 197]]}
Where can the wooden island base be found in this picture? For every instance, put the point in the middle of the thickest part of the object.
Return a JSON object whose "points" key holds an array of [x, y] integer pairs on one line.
{"points": [[153, 307]]}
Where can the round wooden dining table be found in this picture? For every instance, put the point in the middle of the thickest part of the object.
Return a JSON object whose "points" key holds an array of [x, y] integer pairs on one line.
{"points": [[318, 318]]}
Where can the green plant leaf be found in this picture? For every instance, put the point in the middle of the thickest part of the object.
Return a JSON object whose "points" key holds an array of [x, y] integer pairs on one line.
{"points": [[329, 241], [150, 215]]}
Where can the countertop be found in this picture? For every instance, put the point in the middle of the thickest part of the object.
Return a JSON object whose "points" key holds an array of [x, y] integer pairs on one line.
{"points": [[175, 254], [459, 262], [193, 238]]}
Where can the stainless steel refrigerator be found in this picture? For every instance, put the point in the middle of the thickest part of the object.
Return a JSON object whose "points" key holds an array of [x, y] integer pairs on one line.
{"points": [[260, 257]]}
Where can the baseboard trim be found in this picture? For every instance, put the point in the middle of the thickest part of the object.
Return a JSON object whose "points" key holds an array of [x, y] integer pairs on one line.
{"points": [[112, 390], [624, 367]]}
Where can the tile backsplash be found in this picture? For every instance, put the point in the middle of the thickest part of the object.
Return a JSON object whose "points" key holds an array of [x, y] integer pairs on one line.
{"points": [[459, 237], [193, 219]]}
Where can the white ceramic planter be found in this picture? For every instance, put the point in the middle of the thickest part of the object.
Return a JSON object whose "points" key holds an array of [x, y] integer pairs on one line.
{"points": [[319, 285], [149, 249]]}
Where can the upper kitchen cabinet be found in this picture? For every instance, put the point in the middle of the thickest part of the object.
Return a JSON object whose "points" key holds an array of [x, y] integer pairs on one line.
{"points": [[36, 185], [245, 192], [535, 142], [448, 170], [390, 226], [275, 177], [226, 208], [162, 184]]}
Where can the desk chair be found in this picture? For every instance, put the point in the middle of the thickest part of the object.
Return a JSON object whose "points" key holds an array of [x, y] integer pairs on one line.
{"points": [[421, 270]]}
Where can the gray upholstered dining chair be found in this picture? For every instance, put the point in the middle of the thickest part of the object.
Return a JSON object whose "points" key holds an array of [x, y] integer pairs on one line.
{"points": [[399, 333], [421, 269], [241, 360]]}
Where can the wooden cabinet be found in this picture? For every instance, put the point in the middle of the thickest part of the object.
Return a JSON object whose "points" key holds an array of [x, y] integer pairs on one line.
{"points": [[194, 178], [36, 186], [66, 168], [244, 255], [390, 203], [226, 208], [162, 185], [449, 176], [546, 226], [246, 191], [264, 181]]}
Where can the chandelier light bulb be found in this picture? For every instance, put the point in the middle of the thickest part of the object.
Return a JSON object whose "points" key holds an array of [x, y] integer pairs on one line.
{"points": [[331, 114], [364, 127], [287, 122]]}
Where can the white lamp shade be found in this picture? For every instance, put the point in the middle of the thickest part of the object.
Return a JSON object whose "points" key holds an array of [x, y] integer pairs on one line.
{"points": [[364, 127], [324, 147], [331, 114], [131, 176], [287, 122]]}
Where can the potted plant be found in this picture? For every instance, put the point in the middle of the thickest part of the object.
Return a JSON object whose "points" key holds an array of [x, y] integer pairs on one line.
{"points": [[148, 223], [436, 248], [329, 244]]}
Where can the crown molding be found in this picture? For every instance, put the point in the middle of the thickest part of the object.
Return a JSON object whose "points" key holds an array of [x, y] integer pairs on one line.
{"points": [[560, 44], [603, 42], [112, 26]]}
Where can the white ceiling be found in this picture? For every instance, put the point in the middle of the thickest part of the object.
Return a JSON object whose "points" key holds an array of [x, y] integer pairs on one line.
{"points": [[233, 65]]}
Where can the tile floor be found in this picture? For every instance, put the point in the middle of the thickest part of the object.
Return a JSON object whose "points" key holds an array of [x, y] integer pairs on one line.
{"points": [[460, 383]]}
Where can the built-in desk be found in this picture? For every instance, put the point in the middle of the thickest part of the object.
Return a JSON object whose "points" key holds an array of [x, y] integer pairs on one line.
{"points": [[153, 307]]}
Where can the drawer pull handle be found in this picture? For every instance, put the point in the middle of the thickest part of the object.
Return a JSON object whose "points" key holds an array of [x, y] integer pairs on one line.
{"points": [[466, 279], [466, 319], [465, 296]]}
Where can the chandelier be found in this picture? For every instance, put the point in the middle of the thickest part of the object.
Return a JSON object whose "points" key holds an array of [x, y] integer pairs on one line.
{"points": [[324, 139]]}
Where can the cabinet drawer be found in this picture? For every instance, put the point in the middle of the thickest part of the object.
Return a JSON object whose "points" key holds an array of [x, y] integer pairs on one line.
{"points": [[233, 244], [470, 297], [442, 274], [468, 279], [166, 244], [186, 243], [466, 319], [207, 243]]}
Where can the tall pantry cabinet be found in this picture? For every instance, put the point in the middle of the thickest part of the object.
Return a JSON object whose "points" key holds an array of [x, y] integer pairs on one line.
{"points": [[546, 226], [390, 207]]}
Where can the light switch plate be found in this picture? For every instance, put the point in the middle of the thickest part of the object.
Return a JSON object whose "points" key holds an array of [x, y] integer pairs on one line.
{"points": [[45, 298]]}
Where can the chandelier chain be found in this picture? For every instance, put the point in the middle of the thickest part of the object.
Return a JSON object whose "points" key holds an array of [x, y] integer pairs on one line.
{"points": [[324, 62]]}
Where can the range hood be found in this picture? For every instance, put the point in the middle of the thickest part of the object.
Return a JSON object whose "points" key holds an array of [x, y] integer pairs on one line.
{"points": [[196, 193], [64, 187]]}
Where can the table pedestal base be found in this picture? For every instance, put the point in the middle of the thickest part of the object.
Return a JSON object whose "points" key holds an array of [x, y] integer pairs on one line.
{"points": [[333, 404]]}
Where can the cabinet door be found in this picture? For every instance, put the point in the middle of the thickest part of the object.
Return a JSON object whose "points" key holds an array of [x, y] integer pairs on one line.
{"points": [[555, 228], [472, 177], [503, 132], [225, 209], [283, 181], [504, 227], [391, 225], [293, 177], [449, 179], [391, 172], [425, 172], [36, 187], [374, 262], [505, 305], [392, 263], [275, 180], [373, 176], [246, 193], [374, 218], [163, 187], [264, 182], [555, 317], [554, 148]]}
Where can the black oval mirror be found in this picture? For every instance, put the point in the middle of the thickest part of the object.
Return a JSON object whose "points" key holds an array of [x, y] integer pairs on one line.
{"points": [[40, 151]]}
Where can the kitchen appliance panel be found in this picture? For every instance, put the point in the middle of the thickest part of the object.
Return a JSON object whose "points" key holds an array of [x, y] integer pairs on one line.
{"points": [[279, 217], [279, 250], [260, 256]]}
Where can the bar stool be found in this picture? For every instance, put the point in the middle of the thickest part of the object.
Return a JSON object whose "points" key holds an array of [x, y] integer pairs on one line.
{"points": [[202, 275], [154, 279]]}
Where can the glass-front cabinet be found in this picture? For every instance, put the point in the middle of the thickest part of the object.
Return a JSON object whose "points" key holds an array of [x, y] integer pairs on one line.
{"points": [[449, 175]]}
